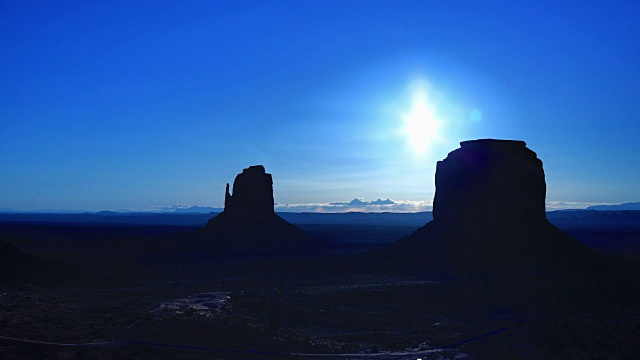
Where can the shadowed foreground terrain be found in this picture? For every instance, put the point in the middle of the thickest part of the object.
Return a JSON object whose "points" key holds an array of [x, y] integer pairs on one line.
{"points": [[491, 277]]}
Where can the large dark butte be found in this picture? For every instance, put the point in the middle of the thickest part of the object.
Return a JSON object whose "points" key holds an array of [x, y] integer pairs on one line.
{"points": [[489, 215], [490, 228], [249, 225]]}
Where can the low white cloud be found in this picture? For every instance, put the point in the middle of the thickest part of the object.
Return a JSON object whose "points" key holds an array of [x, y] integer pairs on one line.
{"points": [[178, 208], [359, 205], [382, 202], [388, 205], [566, 205], [361, 202]]}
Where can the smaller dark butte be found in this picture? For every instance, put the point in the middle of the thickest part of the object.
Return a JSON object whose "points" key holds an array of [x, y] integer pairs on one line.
{"points": [[252, 193], [249, 226]]}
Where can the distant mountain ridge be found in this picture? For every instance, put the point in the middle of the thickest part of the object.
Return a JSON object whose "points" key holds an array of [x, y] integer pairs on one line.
{"points": [[624, 206]]}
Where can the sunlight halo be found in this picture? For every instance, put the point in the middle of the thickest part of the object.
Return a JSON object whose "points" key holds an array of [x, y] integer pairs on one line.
{"points": [[421, 125]]}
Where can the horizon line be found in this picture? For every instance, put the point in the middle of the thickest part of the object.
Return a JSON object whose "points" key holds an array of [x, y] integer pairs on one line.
{"points": [[406, 207]]}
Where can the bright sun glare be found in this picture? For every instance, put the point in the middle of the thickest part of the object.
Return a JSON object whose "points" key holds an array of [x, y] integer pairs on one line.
{"points": [[420, 124]]}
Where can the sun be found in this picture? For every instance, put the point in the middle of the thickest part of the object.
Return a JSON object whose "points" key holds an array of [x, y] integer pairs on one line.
{"points": [[421, 125]]}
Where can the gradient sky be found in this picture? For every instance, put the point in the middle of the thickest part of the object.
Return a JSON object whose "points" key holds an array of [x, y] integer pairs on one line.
{"points": [[110, 105]]}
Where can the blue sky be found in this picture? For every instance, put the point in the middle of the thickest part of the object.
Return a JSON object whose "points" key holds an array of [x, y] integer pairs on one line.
{"points": [[139, 104]]}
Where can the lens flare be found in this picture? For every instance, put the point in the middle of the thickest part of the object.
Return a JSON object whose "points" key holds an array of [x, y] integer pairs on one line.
{"points": [[475, 115]]}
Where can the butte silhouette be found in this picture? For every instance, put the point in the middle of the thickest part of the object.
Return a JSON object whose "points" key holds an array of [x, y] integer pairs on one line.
{"points": [[249, 225], [488, 217]]}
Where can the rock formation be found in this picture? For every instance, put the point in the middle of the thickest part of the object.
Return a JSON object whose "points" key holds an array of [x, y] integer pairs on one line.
{"points": [[252, 193], [249, 225], [489, 215], [487, 181]]}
